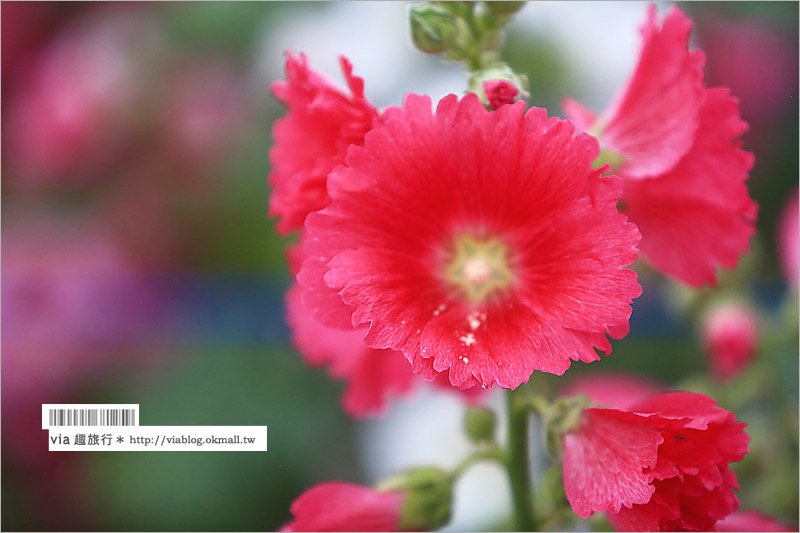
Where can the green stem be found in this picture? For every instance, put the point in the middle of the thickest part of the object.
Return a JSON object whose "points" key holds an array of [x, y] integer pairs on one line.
{"points": [[476, 54], [493, 453], [518, 464]]}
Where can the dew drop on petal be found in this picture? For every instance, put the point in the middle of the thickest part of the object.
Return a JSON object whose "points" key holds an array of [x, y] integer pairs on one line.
{"points": [[468, 339]]}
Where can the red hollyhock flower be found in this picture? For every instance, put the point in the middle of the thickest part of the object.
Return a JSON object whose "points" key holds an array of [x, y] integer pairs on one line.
{"points": [[346, 507], [730, 335], [661, 465], [479, 242], [675, 142], [321, 124]]}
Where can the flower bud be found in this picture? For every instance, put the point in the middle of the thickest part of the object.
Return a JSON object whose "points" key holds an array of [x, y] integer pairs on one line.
{"points": [[730, 335], [503, 8], [432, 28], [479, 423], [500, 92], [428, 497], [498, 85]]}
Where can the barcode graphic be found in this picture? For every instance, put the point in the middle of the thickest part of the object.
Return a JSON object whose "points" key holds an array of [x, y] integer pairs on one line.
{"points": [[92, 417]]}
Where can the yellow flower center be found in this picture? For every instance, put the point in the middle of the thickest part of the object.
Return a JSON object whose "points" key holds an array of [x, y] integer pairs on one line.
{"points": [[478, 267]]}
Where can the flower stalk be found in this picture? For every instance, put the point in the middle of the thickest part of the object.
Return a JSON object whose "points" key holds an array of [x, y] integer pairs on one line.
{"points": [[519, 471], [492, 453]]}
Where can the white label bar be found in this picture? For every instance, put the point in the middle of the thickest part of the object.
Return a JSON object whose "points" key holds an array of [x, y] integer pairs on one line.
{"points": [[159, 438]]}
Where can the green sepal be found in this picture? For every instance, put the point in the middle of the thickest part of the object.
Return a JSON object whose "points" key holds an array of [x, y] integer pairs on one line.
{"points": [[428, 497]]}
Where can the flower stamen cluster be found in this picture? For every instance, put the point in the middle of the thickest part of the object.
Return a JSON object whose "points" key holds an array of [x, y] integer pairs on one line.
{"points": [[479, 268]]}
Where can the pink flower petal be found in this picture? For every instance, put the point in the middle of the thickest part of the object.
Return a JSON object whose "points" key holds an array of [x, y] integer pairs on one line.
{"points": [[604, 461], [336, 506], [703, 198], [583, 117], [653, 138], [751, 521]]}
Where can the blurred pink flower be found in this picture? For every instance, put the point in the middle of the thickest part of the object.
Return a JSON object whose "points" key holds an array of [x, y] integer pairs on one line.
{"points": [[74, 311], [70, 113], [751, 521], [71, 303], [789, 240], [203, 110], [730, 336], [756, 60], [612, 389], [25, 26]]}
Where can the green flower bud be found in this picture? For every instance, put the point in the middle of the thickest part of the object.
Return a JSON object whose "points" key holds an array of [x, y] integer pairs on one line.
{"points": [[428, 497], [479, 423], [503, 8], [433, 29]]}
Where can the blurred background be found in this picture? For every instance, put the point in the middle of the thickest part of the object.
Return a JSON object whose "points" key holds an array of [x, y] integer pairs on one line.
{"points": [[139, 264]]}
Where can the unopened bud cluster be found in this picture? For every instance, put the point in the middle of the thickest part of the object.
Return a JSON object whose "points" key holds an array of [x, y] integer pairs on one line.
{"points": [[471, 32]]}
